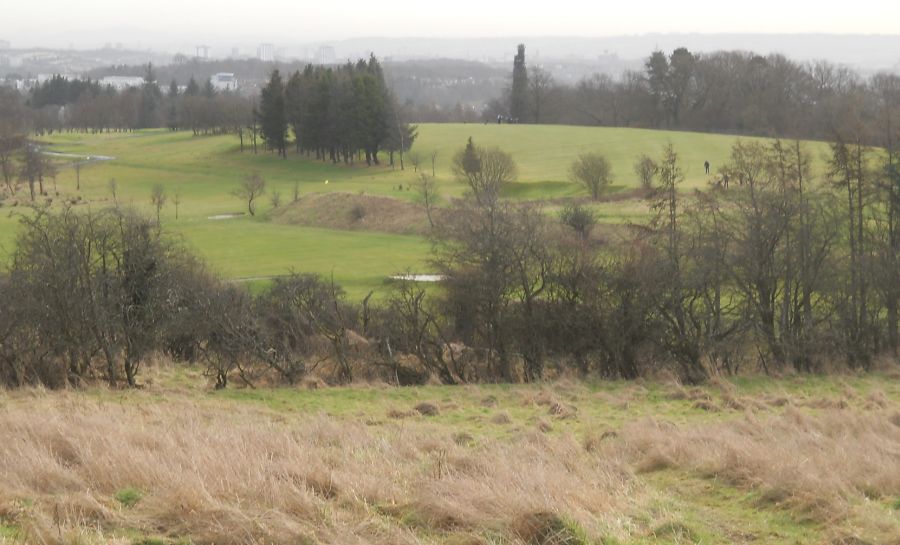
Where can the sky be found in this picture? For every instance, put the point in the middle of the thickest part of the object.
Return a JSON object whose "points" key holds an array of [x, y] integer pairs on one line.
{"points": [[85, 23]]}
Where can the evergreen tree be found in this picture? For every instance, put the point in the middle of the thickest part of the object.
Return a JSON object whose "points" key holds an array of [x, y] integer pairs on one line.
{"points": [[208, 90], [518, 100], [272, 118], [172, 120], [192, 89], [151, 97]]}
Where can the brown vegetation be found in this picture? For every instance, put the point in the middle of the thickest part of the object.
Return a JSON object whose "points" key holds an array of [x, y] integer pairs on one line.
{"points": [[242, 476], [85, 468]]}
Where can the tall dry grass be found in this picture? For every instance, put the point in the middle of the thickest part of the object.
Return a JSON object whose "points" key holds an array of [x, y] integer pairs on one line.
{"points": [[226, 473], [230, 475], [840, 468]]}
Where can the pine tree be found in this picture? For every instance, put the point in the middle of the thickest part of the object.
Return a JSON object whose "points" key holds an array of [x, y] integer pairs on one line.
{"points": [[173, 106], [272, 118], [518, 100], [192, 89]]}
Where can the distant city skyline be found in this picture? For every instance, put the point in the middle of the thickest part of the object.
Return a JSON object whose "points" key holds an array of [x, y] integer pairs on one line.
{"points": [[169, 23]]}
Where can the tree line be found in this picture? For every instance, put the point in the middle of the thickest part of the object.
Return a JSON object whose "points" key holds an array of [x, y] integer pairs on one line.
{"points": [[783, 269], [726, 91], [334, 113], [61, 104]]}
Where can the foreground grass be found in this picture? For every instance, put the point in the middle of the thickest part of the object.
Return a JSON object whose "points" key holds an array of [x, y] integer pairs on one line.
{"points": [[792, 461]]}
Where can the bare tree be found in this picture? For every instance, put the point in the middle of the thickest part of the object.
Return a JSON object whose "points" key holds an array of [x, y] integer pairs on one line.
{"points": [[77, 166], [176, 200], [426, 187], [113, 188], [250, 189], [415, 159], [540, 84], [158, 198], [35, 165], [593, 171], [485, 171]]}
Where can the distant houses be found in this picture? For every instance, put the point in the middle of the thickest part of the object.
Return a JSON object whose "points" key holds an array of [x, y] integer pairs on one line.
{"points": [[120, 83], [224, 81]]}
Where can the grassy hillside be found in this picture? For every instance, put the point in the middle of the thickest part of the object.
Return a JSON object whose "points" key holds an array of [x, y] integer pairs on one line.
{"points": [[796, 461], [205, 170]]}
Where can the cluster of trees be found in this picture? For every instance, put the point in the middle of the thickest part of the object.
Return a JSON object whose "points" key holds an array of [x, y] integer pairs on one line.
{"points": [[781, 270], [334, 113], [728, 91], [20, 161], [62, 104]]}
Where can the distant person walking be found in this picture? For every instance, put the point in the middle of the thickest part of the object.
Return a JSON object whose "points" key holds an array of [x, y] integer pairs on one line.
{"points": [[706, 166]]}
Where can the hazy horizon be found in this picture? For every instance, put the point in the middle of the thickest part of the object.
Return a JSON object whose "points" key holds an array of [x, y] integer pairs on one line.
{"points": [[155, 25]]}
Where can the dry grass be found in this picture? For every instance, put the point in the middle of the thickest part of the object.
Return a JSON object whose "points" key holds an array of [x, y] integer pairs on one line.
{"points": [[240, 476], [471, 466], [357, 213], [827, 467]]}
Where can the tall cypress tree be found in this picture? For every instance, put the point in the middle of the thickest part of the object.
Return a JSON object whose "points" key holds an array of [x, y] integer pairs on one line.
{"points": [[272, 117], [518, 100]]}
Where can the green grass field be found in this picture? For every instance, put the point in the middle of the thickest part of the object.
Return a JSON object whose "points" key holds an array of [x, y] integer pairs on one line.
{"points": [[204, 171]]}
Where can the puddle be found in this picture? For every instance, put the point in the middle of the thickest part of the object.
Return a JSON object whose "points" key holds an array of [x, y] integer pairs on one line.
{"points": [[419, 277]]}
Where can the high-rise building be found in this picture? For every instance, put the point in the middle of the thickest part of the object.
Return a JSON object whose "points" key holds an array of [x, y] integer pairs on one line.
{"points": [[266, 52], [325, 55], [202, 51]]}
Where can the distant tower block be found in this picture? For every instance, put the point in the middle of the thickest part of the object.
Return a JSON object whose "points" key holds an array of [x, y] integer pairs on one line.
{"points": [[202, 51], [266, 52], [325, 54]]}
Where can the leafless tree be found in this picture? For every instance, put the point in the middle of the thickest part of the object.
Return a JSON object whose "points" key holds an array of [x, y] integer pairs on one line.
{"points": [[158, 198], [485, 171], [427, 191], [251, 188], [540, 85]]}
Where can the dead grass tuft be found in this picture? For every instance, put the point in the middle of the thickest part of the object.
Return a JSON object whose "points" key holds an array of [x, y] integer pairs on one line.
{"points": [[895, 419], [654, 460], [563, 412], [545, 528], [398, 414], [427, 409], [706, 405], [592, 441], [501, 418], [827, 403], [489, 401]]}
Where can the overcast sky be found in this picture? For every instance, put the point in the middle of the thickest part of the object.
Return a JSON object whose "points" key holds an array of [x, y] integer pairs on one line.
{"points": [[91, 22]]}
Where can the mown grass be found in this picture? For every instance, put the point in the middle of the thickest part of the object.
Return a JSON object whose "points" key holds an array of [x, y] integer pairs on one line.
{"points": [[204, 171]]}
